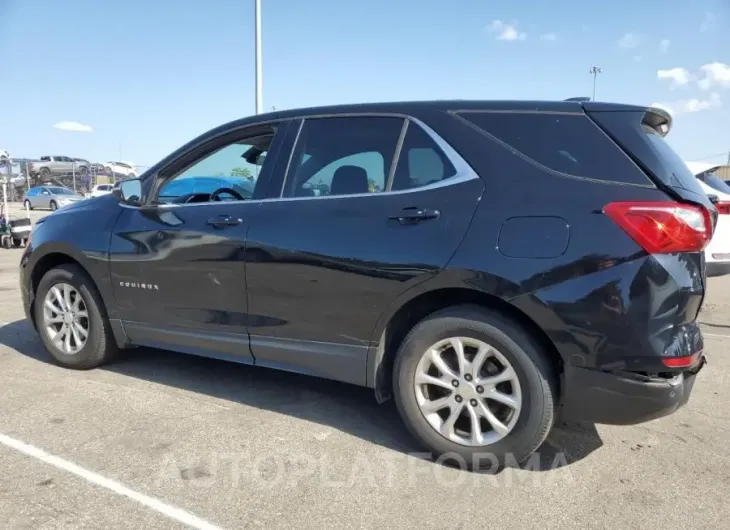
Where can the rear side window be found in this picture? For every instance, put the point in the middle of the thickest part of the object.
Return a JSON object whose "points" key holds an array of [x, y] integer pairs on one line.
{"points": [[421, 161], [342, 156], [566, 143]]}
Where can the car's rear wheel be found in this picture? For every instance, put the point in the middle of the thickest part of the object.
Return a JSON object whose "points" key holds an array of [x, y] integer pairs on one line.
{"points": [[474, 388], [54, 206], [71, 319], [44, 173]]}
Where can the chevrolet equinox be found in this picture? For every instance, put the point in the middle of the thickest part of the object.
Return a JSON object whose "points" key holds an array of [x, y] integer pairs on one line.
{"points": [[490, 265]]}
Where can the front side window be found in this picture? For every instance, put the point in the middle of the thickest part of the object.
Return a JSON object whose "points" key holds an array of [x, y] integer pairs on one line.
{"points": [[342, 156], [228, 174]]}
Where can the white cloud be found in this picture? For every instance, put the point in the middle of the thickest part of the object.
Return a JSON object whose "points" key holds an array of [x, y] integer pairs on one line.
{"points": [[715, 74], [629, 41], [505, 31], [708, 22], [664, 45], [73, 126], [678, 76], [549, 37], [688, 106]]}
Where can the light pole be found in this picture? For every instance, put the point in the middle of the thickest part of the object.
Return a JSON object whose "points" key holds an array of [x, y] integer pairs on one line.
{"points": [[595, 70], [259, 103]]}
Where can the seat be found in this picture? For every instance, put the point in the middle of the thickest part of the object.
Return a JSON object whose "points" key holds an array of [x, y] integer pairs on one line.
{"points": [[349, 180]]}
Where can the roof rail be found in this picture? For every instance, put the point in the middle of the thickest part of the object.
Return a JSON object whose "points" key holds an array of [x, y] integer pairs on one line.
{"points": [[579, 98]]}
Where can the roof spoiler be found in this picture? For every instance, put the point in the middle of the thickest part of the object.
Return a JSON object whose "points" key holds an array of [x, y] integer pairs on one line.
{"points": [[658, 119], [580, 99]]}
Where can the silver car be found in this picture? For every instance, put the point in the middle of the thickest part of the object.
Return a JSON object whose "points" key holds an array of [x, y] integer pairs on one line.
{"points": [[52, 197]]}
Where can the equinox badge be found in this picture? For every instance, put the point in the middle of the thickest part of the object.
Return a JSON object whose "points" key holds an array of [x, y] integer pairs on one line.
{"points": [[137, 285]]}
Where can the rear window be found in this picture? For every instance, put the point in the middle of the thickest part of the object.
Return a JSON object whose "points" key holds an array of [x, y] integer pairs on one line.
{"points": [[566, 143]]}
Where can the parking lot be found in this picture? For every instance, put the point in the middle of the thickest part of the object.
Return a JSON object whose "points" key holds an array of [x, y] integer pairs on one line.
{"points": [[163, 440]]}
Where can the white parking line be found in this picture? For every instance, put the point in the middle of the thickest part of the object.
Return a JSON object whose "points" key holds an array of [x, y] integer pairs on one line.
{"points": [[158, 506], [705, 334]]}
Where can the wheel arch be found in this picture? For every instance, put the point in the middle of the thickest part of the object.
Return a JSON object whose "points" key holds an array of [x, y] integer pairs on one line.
{"points": [[392, 329], [52, 254], [67, 256]]}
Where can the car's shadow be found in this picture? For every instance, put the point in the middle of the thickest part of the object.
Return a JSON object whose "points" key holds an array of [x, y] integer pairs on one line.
{"points": [[349, 408]]}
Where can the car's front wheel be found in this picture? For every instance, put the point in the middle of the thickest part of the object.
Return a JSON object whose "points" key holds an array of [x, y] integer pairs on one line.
{"points": [[474, 388], [71, 320], [27, 205]]}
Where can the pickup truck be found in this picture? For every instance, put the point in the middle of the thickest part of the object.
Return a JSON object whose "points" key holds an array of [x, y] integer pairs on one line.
{"points": [[54, 166]]}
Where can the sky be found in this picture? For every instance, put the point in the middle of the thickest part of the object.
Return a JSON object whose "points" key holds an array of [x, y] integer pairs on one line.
{"points": [[134, 79]]}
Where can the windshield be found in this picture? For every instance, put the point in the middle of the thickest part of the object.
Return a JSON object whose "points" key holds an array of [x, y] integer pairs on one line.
{"points": [[61, 191], [711, 179]]}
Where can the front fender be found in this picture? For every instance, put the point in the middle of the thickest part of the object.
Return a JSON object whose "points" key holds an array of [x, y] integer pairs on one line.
{"points": [[81, 235]]}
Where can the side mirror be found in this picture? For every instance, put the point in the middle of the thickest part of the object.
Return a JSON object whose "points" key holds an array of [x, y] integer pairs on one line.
{"points": [[130, 192], [714, 199]]}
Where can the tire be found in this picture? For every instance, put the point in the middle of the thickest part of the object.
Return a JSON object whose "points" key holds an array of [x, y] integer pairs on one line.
{"points": [[83, 171], [100, 346], [54, 206], [44, 173], [131, 176], [536, 382], [27, 204], [17, 242]]}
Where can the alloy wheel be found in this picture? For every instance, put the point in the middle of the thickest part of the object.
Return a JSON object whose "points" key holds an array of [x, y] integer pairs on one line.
{"points": [[468, 391], [66, 318]]}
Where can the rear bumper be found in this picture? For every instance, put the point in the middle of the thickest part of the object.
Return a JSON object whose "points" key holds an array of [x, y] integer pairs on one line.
{"points": [[623, 398]]}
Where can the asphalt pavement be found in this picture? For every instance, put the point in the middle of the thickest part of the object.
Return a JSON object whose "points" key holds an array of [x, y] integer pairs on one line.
{"points": [[165, 440]]}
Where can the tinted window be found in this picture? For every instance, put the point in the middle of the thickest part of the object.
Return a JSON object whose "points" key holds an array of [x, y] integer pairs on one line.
{"points": [[567, 143], [33, 192], [421, 162], [342, 156]]}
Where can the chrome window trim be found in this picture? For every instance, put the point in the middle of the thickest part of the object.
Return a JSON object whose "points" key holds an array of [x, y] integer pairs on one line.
{"points": [[464, 171]]}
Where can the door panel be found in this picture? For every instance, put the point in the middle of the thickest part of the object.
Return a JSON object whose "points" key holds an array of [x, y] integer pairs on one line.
{"points": [[325, 269], [369, 207], [170, 268], [177, 262]]}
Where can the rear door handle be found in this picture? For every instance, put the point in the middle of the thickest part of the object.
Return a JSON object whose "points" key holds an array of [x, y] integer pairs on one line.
{"points": [[414, 214], [224, 220]]}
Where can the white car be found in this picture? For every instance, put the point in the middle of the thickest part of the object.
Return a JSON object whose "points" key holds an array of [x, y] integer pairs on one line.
{"points": [[717, 253], [101, 189], [120, 168]]}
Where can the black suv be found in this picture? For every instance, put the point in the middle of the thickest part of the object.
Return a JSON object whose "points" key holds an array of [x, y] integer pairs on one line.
{"points": [[490, 265]]}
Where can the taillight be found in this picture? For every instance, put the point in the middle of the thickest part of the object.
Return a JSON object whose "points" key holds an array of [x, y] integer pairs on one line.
{"points": [[723, 207], [663, 227], [681, 362]]}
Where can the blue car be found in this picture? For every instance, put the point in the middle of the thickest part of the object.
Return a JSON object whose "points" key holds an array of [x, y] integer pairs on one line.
{"points": [[192, 189]]}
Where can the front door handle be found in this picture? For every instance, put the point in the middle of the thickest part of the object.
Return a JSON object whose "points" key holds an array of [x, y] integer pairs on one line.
{"points": [[224, 220], [414, 214]]}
